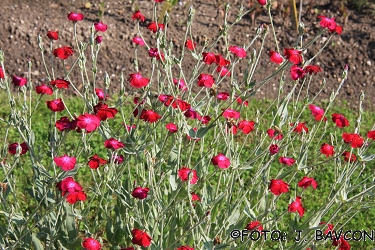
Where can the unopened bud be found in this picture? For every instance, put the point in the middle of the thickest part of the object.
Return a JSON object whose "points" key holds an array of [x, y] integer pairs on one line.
{"points": [[40, 43], [301, 29]]}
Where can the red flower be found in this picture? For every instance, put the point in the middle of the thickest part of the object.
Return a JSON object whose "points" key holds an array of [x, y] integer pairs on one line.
{"points": [[91, 244], [271, 133], [159, 1], [229, 113], [43, 89], [349, 157], [60, 83], [327, 150], [73, 198], [208, 58], [305, 182], [330, 24], [190, 45], [154, 27], [246, 126], [1, 72], [312, 69], [355, 140], [112, 143], [222, 96], [192, 114], [100, 27], [88, 122], [138, 15], [56, 105], [240, 52], [98, 39], [223, 71], [65, 162], [19, 81], [296, 73], [171, 127], [329, 227], [65, 124], [294, 56], [103, 112], [140, 193], [95, 161], [278, 187], [221, 161], [166, 99], [342, 243], [21, 148], [182, 105], [221, 61], [262, 2], [139, 41], [69, 185], [317, 112], [205, 80], [205, 119], [75, 17], [195, 197], [101, 95], [296, 206], [286, 161], [153, 52], [141, 238], [274, 149], [300, 126], [276, 57], [183, 174], [128, 248], [150, 116], [185, 248], [338, 29], [63, 52], [137, 81], [254, 225], [53, 35], [340, 120], [181, 84], [371, 134]]}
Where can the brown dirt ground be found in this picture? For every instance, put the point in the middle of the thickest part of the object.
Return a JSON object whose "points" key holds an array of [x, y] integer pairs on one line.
{"points": [[22, 21]]}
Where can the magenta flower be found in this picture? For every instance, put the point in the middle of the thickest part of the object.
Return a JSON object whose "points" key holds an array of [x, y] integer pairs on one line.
{"points": [[100, 27], [305, 182], [276, 57], [75, 17], [65, 162], [184, 172], [88, 122], [286, 161], [112, 143], [239, 52], [139, 41], [296, 206], [221, 161], [19, 81], [140, 193], [205, 80]]}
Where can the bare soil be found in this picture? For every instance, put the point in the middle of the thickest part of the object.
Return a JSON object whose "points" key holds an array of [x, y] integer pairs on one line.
{"points": [[22, 22]]}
